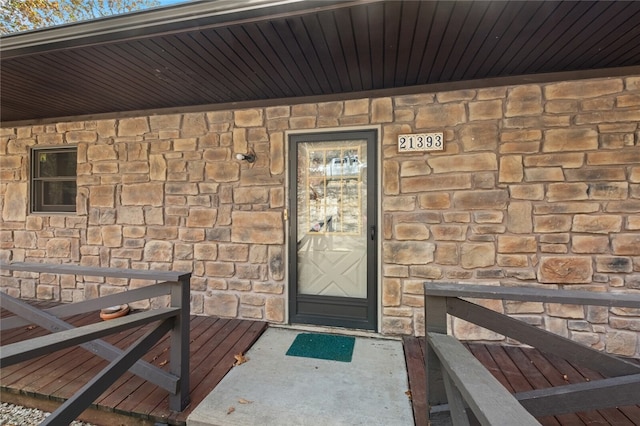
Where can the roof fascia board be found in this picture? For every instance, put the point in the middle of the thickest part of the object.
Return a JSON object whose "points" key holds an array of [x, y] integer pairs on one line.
{"points": [[403, 91], [164, 20]]}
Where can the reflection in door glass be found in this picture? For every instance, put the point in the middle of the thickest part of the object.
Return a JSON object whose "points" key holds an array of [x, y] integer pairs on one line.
{"points": [[334, 173]]}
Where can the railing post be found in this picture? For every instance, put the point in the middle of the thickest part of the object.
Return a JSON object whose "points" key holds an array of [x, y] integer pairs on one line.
{"points": [[435, 314], [179, 356]]}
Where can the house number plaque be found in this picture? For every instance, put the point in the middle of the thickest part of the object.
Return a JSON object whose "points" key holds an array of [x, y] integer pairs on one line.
{"points": [[421, 142]]}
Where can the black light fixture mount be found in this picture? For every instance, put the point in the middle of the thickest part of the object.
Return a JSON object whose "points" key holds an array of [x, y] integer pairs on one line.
{"points": [[250, 156]]}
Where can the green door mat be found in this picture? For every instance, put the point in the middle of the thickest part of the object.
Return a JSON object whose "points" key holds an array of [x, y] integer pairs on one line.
{"points": [[322, 346]]}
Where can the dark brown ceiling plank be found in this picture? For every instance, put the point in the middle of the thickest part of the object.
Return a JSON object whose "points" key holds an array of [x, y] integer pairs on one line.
{"points": [[299, 56], [284, 56], [33, 105], [175, 67], [621, 42], [14, 107], [531, 20], [392, 15], [230, 60], [139, 67], [408, 22], [474, 51], [315, 50], [438, 26], [376, 43], [625, 50], [254, 62], [229, 85], [454, 25], [42, 82], [347, 38], [183, 50], [266, 39], [11, 95], [424, 22], [188, 49], [540, 41], [579, 43], [360, 24], [604, 30], [513, 18], [258, 55], [332, 36], [95, 72], [585, 12], [461, 48]]}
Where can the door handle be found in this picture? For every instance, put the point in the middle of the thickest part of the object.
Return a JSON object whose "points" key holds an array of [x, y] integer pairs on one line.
{"points": [[372, 232]]}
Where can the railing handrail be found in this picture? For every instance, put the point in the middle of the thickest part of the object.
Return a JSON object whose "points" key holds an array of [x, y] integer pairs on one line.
{"points": [[532, 294], [443, 299], [72, 269], [176, 321]]}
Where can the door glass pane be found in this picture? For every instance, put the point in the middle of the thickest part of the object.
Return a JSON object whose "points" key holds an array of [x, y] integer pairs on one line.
{"points": [[332, 220]]}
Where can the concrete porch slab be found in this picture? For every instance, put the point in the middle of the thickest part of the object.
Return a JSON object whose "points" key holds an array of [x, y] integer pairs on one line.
{"points": [[285, 390]]}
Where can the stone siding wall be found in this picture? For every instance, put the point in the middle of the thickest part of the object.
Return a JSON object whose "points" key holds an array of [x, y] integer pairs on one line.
{"points": [[538, 185]]}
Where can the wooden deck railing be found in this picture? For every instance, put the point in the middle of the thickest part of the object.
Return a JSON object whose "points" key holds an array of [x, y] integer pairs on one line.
{"points": [[456, 378], [174, 319]]}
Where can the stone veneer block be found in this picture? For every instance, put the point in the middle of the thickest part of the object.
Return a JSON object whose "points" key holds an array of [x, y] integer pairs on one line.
{"points": [[221, 305], [626, 244], [615, 264], [133, 126], [193, 125], [614, 157], [390, 179], [436, 183], [477, 255], [144, 194], [565, 270], [408, 252], [481, 200], [381, 110], [464, 163], [257, 227], [582, 89], [248, 118], [437, 116], [563, 140], [511, 169], [158, 251], [596, 224], [15, 203], [274, 309], [524, 101], [519, 217], [517, 244]]}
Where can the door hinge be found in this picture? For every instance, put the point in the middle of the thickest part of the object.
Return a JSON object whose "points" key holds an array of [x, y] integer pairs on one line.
{"points": [[286, 215]]}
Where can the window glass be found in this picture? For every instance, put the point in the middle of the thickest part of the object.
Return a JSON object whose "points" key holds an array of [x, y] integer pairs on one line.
{"points": [[53, 179], [52, 164]]}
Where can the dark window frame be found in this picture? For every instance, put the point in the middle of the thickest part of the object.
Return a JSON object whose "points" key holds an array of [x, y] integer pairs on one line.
{"points": [[38, 182]]}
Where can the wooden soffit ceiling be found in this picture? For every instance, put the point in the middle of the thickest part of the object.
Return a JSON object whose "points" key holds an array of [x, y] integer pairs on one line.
{"points": [[230, 53]]}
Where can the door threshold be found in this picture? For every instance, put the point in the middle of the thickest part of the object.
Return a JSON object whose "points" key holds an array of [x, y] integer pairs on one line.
{"points": [[335, 330]]}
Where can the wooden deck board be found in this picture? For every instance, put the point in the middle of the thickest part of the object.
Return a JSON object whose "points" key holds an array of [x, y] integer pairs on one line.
{"points": [[58, 375], [523, 369], [414, 357]]}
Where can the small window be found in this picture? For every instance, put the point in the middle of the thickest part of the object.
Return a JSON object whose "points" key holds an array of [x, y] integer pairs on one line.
{"points": [[53, 179]]}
